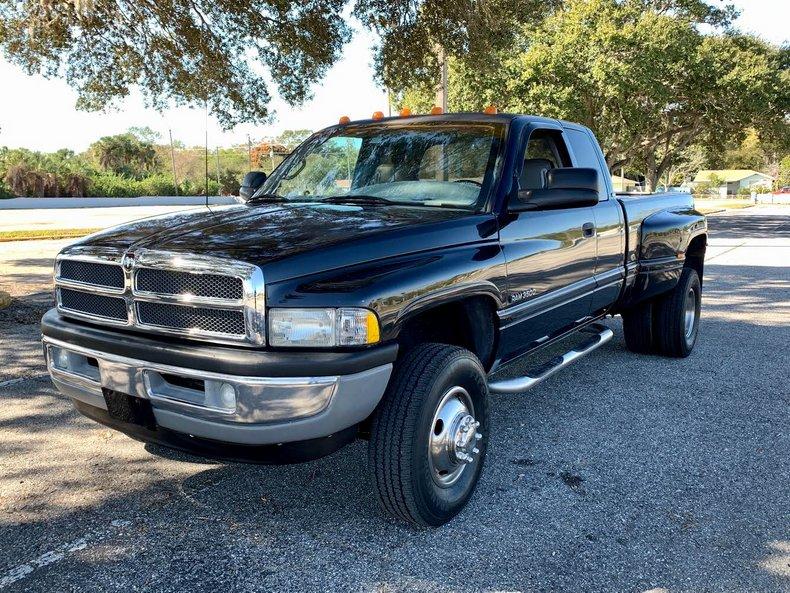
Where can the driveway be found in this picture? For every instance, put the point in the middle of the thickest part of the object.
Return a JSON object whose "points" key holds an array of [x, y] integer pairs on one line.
{"points": [[625, 473]]}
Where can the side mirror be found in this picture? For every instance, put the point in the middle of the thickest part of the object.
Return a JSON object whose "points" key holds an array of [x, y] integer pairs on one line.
{"points": [[251, 183], [571, 187]]}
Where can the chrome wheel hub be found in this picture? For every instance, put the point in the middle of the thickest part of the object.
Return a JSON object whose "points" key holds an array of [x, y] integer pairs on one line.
{"points": [[690, 313], [453, 437]]}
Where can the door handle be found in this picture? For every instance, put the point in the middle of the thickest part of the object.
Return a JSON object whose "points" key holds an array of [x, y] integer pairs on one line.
{"points": [[588, 229]]}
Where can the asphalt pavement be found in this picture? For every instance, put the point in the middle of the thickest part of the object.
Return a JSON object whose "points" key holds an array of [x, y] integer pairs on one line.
{"points": [[624, 473]]}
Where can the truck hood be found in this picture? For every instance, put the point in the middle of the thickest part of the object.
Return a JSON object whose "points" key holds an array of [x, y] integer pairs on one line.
{"points": [[290, 240]]}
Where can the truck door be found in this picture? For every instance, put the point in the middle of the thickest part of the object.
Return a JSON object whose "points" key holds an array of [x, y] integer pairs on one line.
{"points": [[550, 256], [609, 221]]}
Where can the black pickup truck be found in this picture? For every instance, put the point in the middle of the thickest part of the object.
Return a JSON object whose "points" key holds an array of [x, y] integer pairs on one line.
{"points": [[369, 289]]}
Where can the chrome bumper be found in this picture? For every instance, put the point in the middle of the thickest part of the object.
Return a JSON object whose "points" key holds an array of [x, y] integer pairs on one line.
{"points": [[229, 408]]}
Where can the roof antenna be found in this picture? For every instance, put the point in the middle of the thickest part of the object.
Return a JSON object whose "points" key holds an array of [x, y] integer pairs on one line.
{"points": [[206, 155], [205, 104]]}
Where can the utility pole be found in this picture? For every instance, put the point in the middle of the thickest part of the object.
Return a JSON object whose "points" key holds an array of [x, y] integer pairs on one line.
{"points": [[173, 160], [249, 151], [217, 153]]}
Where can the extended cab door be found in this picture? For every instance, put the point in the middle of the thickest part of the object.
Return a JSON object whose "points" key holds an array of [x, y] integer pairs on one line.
{"points": [[609, 220], [550, 255]]}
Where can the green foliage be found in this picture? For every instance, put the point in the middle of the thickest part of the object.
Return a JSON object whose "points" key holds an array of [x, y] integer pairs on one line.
{"points": [[27, 173], [230, 182], [181, 51], [126, 155], [63, 173], [704, 189], [292, 138], [783, 178], [640, 74]]}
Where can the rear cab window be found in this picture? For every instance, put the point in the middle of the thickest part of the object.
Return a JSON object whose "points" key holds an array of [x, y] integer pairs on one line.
{"points": [[587, 154]]}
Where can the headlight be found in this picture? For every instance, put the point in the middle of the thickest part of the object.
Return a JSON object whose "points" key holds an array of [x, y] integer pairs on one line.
{"points": [[315, 328]]}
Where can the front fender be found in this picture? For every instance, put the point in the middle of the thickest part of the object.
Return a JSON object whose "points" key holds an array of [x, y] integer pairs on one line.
{"points": [[399, 288]]}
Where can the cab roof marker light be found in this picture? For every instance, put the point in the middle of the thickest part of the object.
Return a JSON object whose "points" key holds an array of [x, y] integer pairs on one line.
{"points": [[377, 115], [436, 110], [490, 110], [344, 120], [405, 112]]}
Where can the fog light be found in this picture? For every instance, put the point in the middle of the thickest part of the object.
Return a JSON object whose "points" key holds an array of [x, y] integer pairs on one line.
{"points": [[227, 396], [62, 359]]}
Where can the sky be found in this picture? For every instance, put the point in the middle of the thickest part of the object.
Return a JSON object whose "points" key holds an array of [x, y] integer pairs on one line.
{"points": [[39, 114]]}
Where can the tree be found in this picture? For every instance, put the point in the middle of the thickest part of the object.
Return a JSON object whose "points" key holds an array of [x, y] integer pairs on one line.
{"points": [[292, 138], [126, 155], [470, 31], [145, 134], [641, 75], [182, 51]]}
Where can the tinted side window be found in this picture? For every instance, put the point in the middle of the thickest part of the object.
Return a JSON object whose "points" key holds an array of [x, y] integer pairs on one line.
{"points": [[545, 150], [587, 156]]}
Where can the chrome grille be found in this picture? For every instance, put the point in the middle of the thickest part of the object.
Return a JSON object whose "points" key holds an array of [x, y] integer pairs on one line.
{"points": [[203, 319], [174, 282], [96, 305], [84, 272], [199, 297]]}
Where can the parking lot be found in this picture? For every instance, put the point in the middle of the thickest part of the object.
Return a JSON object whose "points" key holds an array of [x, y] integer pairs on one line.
{"points": [[624, 473]]}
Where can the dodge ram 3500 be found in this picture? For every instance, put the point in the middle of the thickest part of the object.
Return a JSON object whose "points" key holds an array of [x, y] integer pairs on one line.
{"points": [[369, 288]]}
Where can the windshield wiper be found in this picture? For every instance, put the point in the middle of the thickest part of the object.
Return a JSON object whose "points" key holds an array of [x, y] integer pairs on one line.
{"points": [[361, 199], [267, 198]]}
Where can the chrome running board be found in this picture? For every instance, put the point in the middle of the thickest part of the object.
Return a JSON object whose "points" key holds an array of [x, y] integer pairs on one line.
{"points": [[601, 335]]}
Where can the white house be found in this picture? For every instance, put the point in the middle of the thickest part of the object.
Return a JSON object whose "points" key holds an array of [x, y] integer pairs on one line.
{"points": [[729, 181]]}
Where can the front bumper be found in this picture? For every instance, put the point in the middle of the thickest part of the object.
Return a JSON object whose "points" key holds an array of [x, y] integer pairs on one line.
{"points": [[264, 410]]}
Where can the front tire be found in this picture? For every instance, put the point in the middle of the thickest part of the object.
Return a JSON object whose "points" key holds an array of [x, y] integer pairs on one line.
{"points": [[429, 435]]}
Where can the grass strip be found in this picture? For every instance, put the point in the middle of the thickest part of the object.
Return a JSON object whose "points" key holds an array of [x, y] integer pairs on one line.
{"points": [[31, 235]]}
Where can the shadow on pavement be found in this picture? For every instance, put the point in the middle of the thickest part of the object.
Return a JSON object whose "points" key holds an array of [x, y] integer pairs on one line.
{"points": [[623, 474]]}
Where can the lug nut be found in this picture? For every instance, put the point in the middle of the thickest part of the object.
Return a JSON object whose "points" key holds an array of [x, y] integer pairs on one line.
{"points": [[478, 436]]}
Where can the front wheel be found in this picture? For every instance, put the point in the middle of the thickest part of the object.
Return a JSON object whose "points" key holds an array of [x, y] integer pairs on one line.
{"points": [[429, 435]]}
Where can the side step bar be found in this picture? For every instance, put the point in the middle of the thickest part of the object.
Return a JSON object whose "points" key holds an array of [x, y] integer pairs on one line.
{"points": [[601, 335]]}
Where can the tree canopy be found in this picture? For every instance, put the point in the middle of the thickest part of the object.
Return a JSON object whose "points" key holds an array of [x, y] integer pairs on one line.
{"points": [[180, 51], [227, 53], [645, 79]]}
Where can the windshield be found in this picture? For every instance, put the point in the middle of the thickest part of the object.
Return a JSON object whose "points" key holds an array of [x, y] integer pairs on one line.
{"points": [[428, 164]]}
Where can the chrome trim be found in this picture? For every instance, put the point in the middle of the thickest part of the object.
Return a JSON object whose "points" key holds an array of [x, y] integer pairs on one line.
{"points": [[601, 335], [252, 304], [96, 318], [96, 255], [544, 303], [128, 375]]}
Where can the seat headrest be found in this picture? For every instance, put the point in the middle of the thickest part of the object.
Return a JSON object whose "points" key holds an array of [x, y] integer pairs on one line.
{"points": [[533, 175]]}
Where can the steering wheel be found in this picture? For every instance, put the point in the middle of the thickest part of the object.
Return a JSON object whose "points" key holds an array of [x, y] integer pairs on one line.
{"points": [[472, 181]]}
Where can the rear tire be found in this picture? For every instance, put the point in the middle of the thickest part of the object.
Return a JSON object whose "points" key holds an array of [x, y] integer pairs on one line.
{"points": [[638, 328], [423, 432], [677, 316]]}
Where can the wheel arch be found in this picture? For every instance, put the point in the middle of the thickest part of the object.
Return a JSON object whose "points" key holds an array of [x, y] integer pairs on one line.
{"points": [[695, 254], [469, 321]]}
